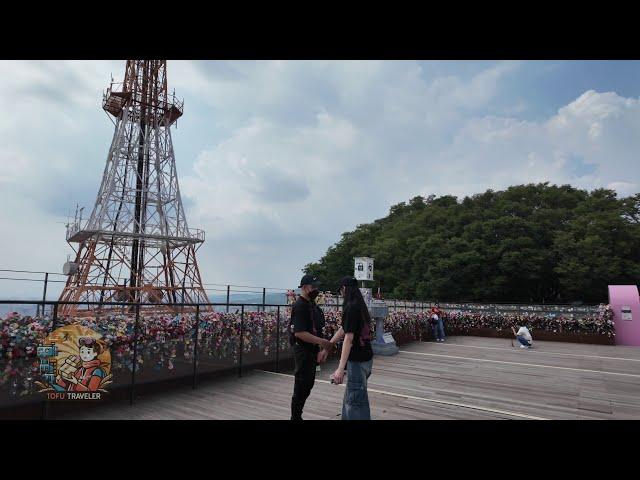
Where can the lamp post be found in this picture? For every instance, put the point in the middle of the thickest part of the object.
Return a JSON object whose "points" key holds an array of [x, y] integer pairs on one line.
{"points": [[384, 344]]}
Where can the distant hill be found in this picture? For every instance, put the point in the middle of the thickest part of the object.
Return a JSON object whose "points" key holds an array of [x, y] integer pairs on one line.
{"points": [[528, 243], [21, 309]]}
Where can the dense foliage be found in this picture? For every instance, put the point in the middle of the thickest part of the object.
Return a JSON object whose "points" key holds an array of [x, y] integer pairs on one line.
{"points": [[529, 243]]}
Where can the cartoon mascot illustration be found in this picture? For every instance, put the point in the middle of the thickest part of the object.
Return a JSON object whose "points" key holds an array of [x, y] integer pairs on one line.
{"points": [[76, 360], [81, 374]]}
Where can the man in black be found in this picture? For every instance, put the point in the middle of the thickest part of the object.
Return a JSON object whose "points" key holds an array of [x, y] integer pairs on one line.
{"points": [[307, 322]]}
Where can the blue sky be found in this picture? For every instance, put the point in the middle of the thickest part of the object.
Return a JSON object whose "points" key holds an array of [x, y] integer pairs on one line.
{"points": [[277, 159]]}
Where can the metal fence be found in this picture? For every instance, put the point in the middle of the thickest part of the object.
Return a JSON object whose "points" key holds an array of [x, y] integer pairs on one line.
{"points": [[568, 310], [228, 294], [278, 296], [146, 345]]}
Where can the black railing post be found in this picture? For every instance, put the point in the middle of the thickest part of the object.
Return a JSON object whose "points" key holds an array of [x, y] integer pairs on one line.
{"points": [[241, 341], [278, 339], [126, 297], [228, 291], [45, 402], [135, 354], [44, 292], [54, 324], [195, 347], [264, 297]]}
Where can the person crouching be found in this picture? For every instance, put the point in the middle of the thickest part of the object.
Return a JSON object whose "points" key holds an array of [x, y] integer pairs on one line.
{"points": [[524, 337]]}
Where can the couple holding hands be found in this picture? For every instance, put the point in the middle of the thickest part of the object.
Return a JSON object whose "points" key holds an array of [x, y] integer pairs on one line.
{"points": [[311, 348]]}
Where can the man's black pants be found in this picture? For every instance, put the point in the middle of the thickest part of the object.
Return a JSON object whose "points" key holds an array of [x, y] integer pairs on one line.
{"points": [[305, 377]]}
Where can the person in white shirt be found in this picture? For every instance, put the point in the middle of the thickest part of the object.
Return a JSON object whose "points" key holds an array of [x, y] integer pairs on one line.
{"points": [[437, 324], [524, 337]]}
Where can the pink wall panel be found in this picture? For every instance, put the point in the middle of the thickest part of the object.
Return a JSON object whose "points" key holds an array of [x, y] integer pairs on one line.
{"points": [[627, 331]]}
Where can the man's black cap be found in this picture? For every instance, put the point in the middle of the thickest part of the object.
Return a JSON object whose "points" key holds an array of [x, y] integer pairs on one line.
{"points": [[309, 280], [348, 282]]}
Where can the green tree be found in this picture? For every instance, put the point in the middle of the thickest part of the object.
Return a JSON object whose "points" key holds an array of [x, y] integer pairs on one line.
{"points": [[528, 243]]}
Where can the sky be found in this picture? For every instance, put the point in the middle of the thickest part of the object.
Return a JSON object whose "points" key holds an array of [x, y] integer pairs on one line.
{"points": [[276, 159]]}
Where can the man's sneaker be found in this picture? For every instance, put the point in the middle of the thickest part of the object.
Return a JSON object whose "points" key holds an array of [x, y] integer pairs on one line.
{"points": [[523, 346]]}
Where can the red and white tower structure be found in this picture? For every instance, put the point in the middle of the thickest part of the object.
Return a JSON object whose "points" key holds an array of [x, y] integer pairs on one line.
{"points": [[136, 245]]}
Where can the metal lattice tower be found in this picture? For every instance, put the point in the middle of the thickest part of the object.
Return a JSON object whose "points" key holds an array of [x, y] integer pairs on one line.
{"points": [[136, 245]]}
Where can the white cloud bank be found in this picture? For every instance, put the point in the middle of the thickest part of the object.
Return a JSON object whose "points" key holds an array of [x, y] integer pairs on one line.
{"points": [[292, 154]]}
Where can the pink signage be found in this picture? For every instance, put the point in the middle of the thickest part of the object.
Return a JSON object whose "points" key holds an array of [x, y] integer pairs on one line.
{"points": [[625, 303]]}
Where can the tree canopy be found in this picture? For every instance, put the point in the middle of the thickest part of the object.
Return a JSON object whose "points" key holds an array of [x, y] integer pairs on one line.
{"points": [[528, 243]]}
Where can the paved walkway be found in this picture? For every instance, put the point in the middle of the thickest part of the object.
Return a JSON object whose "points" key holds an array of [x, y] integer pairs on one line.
{"points": [[464, 378]]}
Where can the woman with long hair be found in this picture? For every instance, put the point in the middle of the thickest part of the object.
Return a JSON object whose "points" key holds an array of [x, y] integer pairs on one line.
{"points": [[357, 355]]}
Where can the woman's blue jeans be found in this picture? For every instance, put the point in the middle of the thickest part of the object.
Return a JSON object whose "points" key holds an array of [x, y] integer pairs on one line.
{"points": [[355, 405], [438, 330]]}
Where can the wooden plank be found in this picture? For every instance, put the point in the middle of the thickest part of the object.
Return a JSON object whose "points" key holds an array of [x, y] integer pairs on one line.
{"points": [[518, 384]]}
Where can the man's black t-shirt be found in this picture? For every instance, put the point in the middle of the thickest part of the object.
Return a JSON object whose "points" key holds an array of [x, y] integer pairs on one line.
{"points": [[353, 321], [306, 316]]}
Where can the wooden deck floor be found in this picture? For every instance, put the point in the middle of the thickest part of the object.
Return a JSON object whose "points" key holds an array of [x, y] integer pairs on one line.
{"points": [[464, 378]]}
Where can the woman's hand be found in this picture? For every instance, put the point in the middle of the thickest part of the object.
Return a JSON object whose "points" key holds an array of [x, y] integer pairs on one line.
{"points": [[338, 376], [322, 356]]}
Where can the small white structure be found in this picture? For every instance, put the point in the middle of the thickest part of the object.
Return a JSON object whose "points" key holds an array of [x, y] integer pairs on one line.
{"points": [[363, 268], [70, 268]]}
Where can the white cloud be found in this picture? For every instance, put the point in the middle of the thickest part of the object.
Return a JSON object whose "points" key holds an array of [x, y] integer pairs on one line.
{"points": [[292, 154], [624, 188]]}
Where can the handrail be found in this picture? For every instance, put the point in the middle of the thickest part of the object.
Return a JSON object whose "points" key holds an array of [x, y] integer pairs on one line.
{"points": [[198, 335]]}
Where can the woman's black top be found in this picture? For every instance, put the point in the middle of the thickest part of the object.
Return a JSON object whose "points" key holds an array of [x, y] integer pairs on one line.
{"points": [[354, 321]]}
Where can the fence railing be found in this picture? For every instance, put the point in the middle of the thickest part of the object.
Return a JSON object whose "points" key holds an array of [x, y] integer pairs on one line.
{"points": [[222, 295], [270, 296], [146, 345], [494, 308]]}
